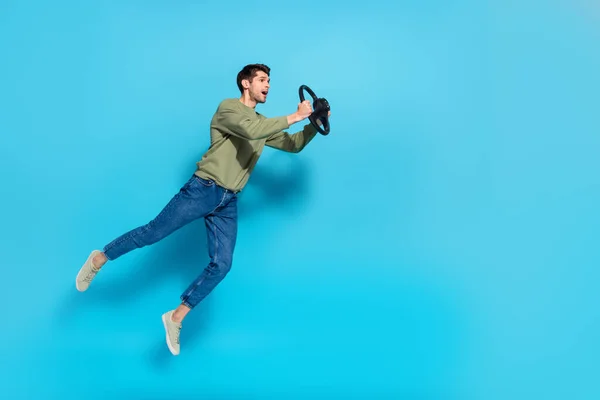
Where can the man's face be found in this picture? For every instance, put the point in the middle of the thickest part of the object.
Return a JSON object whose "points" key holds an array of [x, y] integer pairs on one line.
{"points": [[259, 87]]}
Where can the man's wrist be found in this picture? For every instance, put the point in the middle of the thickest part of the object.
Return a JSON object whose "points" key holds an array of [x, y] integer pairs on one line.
{"points": [[293, 118]]}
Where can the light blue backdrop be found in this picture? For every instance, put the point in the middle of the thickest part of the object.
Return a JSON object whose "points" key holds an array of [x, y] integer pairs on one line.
{"points": [[440, 243]]}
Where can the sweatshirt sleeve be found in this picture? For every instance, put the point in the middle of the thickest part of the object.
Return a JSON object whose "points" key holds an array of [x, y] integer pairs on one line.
{"points": [[292, 143], [237, 123]]}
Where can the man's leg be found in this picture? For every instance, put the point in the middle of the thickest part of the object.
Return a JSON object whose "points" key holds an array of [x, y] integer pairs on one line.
{"points": [[195, 199], [221, 228]]}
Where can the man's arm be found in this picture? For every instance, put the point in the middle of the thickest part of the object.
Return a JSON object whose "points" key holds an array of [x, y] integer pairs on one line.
{"points": [[296, 142], [240, 125], [292, 143]]}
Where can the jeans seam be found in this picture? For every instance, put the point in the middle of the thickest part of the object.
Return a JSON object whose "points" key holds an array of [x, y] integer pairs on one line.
{"points": [[221, 202], [216, 243]]}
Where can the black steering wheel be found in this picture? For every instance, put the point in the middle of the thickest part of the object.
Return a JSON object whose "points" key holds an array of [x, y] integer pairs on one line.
{"points": [[320, 110]]}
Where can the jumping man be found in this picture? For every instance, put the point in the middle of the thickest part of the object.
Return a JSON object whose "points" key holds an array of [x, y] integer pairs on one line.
{"points": [[238, 135]]}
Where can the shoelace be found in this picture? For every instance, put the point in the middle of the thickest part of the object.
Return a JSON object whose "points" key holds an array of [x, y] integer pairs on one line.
{"points": [[176, 329], [90, 275]]}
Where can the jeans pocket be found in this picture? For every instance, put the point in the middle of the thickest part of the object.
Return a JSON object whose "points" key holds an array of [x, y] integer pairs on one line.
{"points": [[205, 182]]}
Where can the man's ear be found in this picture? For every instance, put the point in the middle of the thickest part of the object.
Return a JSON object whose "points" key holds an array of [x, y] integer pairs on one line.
{"points": [[245, 83]]}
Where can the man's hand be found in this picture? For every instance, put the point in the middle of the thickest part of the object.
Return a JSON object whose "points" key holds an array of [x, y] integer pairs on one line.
{"points": [[304, 111]]}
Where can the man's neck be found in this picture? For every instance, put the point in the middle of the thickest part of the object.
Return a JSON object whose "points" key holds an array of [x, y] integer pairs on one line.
{"points": [[247, 101]]}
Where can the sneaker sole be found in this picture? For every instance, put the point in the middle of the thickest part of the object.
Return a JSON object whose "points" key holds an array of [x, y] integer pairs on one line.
{"points": [[171, 349], [92, 254]]}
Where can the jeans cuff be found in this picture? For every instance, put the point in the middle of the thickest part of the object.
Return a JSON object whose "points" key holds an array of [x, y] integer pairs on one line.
{"points": [[107, 254], [186, 303]]}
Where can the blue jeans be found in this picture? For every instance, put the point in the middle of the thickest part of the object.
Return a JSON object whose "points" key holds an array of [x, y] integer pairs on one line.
{"points": [[197, 198]]}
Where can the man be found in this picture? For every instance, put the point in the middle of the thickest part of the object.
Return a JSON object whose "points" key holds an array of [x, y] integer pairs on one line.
{"points": [[238, 135]]}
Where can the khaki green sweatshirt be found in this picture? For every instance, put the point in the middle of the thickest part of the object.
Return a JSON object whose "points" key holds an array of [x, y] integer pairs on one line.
{"points": [[238, 135]]}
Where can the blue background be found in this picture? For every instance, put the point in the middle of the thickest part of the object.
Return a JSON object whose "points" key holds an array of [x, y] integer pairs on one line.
{"points": [[440, 243]]}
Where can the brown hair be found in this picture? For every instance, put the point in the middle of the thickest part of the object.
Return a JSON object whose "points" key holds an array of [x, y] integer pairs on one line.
{"points": [[249, 72]]}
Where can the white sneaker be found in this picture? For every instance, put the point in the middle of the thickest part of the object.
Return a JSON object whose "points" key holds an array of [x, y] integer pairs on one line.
{"points": [[87, 272], [172, 329]]}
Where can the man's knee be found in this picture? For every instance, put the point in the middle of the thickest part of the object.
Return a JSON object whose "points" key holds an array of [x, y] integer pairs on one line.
{"points": [[225, 265], [221, 266]]}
